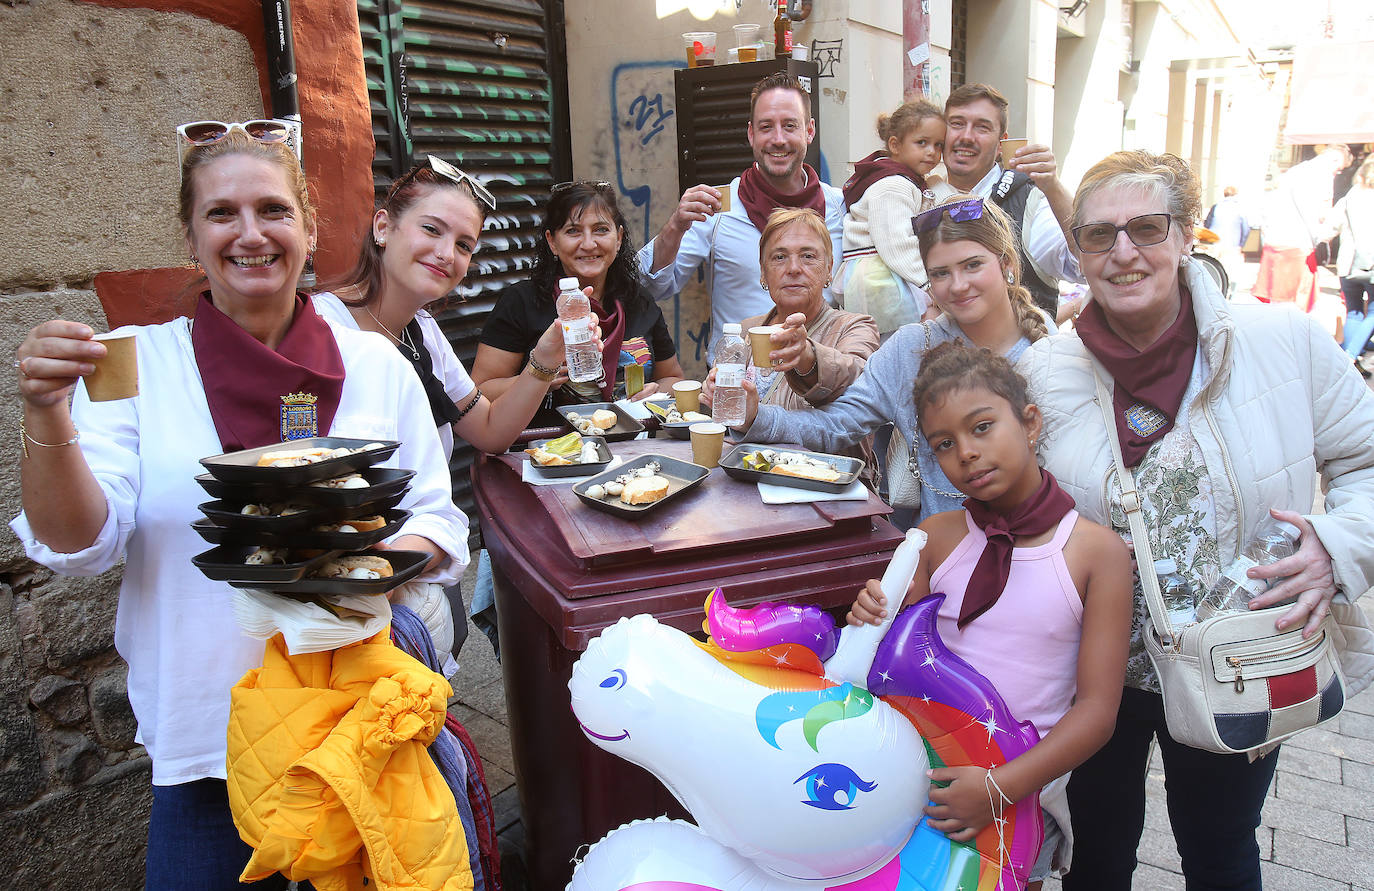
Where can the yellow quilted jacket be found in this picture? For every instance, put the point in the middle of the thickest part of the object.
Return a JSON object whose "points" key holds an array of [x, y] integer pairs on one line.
{"points": [[329, 779]]}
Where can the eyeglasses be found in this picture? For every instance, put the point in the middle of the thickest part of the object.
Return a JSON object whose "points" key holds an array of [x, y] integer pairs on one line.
{"points": [[1143, 231], [600, 186], [210, 132], [959, 212], [447, 171]]}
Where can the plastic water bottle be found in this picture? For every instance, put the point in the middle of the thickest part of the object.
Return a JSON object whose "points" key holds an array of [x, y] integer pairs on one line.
{"points": [[1234, 590], [732, 359], [575, 315], [1177, 593]]}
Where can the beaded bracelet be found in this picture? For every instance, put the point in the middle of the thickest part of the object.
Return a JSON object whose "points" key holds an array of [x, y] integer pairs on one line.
{"points": [[24, 432], [472, 403]]}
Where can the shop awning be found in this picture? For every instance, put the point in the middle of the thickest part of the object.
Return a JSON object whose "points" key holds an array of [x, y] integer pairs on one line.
{"points": [[1332, 95]]}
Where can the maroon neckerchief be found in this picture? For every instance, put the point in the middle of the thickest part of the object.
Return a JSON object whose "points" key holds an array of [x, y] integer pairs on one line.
{"points": [[876, 166], [760, 199], [612, 327], [1037, 514], [1155, 377], [245, 381]]}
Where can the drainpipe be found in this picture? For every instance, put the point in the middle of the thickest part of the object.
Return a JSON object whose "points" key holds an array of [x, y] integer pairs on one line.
{"points": [[281, 81]]}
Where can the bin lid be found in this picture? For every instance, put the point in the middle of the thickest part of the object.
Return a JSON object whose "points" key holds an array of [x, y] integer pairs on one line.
{"points": [[722, 521]]}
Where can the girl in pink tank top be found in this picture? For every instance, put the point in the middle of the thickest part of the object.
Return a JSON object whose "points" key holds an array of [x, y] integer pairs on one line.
{"points": [[1036, 598]]}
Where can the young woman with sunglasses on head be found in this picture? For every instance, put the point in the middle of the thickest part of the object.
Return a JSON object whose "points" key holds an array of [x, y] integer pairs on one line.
{"points": [[969, 252], [585, 236], [124, 486], [1226, 414]]}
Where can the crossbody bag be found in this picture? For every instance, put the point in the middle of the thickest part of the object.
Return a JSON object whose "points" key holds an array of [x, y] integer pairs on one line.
{"points": [[1232, 683]]}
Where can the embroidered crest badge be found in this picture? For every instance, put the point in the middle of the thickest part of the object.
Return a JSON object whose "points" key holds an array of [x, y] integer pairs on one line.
{"points": [[1145, 420], [298, 417]]}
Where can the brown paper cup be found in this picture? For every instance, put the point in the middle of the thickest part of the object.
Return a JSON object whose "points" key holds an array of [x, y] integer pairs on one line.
{"points": [[761, 345], [687, 395], [116, 375], [708, 438], [724, 198], [1009, 147]]}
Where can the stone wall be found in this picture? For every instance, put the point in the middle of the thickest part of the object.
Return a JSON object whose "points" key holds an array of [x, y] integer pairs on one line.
{"points": [[90, 95]]}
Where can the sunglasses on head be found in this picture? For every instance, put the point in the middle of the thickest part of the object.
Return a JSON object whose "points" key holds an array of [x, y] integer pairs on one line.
{"points": [[600, 186], [210, 132], [448, 171], [1143, 231], [959, 212]]}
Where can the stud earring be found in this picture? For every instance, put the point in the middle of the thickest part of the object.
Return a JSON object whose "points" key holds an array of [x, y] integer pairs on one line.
{"points": [[1011, 279], [1183, 262]]}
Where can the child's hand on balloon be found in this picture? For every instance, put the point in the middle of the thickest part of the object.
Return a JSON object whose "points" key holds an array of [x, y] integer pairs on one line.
{"points": [[962, 808], [870, 608]]}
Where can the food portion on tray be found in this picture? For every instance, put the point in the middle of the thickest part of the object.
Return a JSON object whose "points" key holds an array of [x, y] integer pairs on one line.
{"points": [[601, 419], [300, 461], [570, 449], [640, 485], [798, 468], [341, 491]]}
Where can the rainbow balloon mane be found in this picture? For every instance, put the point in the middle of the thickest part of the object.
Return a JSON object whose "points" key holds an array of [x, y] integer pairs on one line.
{"points": [[796, 780]]}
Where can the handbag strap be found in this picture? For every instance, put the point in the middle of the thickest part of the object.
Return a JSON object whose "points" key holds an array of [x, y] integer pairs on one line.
{"points": [[1130, 503]]}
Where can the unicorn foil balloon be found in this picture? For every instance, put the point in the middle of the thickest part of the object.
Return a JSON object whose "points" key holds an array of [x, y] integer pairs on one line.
{"points": [[801, 751]]}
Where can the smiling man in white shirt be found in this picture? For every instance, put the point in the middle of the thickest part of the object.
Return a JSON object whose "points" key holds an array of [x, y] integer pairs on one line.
{"points": [[727, 244]]}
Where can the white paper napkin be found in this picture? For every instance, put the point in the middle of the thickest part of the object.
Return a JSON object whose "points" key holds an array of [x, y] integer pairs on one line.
{"points": [[531, 476], [772, 494]]}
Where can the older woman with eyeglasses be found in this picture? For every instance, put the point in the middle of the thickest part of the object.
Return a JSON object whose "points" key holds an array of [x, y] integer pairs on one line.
{"points": [[585, 236], [969, 251], [123, 487], [1226, 413]]}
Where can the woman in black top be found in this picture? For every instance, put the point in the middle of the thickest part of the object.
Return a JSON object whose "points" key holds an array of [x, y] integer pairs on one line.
{"points": [[584, 236]]}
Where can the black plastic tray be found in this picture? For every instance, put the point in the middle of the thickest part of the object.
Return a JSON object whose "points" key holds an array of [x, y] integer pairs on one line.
{"points": [[677, 429], [226, 513], [311, 539], [554, 471], [225, 564], [405, 565], [681, 476], [381, 482], [242, 467], [733, 465], [625, 427]]}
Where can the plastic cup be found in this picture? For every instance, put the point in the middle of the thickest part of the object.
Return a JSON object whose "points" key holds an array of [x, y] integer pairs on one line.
{"points": [[746, 42], [708, 438], [116, 375], [801, 52], [762, 345], [687, 395], [1008, 148], [700, 47]]}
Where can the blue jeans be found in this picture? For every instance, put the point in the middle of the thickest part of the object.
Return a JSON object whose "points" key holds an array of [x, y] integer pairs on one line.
{"points": [[1214, 806], [1359, 319], [192, 842]]}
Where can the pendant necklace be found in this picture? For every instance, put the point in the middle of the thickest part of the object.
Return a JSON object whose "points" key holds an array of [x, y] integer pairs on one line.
{"points": [[403, 340]]}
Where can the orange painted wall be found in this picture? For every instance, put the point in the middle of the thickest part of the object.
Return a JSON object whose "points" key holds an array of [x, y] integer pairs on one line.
{"points": [[338, 147]]}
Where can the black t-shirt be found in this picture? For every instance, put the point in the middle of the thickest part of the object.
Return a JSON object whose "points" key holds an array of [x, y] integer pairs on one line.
{"points": [[521, 317]]}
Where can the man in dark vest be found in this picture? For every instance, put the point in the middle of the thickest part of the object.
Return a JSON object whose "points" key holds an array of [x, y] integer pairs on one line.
{"points": [[1030, 191]]}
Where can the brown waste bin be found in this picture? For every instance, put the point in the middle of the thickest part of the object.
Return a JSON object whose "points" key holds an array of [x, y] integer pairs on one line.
{"points": [[564, 572]]}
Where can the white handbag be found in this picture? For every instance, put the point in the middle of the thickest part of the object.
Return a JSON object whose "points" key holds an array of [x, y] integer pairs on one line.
{"points": [[1232, 683]]}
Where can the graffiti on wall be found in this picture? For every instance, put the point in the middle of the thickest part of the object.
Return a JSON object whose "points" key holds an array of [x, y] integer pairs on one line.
{"points": [[827, 54], [643, 135]]}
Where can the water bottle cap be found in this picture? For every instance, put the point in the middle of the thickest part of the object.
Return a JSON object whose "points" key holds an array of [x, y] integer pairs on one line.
{"points": [[1165, 565], [568, 284], [730, 328]]}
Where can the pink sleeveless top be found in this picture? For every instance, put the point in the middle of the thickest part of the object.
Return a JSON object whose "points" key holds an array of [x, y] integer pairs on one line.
{"points": [[1027, 643]]}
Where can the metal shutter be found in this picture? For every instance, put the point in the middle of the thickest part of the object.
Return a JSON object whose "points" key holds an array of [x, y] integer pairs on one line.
{"points": [[474, 81]]}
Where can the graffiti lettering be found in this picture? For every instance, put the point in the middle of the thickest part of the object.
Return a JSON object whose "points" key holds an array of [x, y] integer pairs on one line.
{"points": [[698, 337], [649, 113]]}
